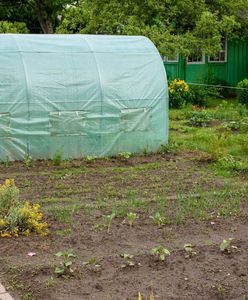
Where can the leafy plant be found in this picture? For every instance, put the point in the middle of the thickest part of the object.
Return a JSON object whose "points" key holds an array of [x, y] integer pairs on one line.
{"points": [[160, 252], [189, 249], [240, 125], [57, 158], [66, 263], [159, 219], [125, 155], [225, 245], [231, 163], [27, 160], [131, 218], [128, 260], [200, 118], [93, 264], [198, 95], [171, 147], [243, 92], [90, 158]]}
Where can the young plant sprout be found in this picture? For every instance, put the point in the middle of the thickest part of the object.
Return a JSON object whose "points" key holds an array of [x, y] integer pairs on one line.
{"points": [[160, 252], [225, 245], [189, 249], [128, 260], [109, 220], [159, 219], [131, 217], [65, 265]]}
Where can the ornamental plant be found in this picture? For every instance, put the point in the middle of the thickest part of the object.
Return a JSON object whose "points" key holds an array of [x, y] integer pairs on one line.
{"points": [[178, 93], [18, 218]]}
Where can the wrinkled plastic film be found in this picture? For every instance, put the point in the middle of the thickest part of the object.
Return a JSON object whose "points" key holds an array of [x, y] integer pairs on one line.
{"points": [[80, 95]]}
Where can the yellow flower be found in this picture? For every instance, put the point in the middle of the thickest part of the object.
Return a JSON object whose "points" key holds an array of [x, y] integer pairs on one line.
{"points": [[5, 234], [2, 222], [9, 182]]}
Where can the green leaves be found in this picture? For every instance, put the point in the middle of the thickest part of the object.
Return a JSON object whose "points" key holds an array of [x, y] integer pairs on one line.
{"points": [[131, 217], [13, 27], [159, 219], [128, 260], [65, 265], [160, 252], [225, 245], [174, 26], [189, 249]]}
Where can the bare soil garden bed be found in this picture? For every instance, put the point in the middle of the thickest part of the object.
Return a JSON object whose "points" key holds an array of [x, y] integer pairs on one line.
{"points": [[77, 196]]}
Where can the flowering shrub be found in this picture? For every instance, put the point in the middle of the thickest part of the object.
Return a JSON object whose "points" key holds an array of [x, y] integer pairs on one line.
{"points": [[17, 218], [178, 93]]}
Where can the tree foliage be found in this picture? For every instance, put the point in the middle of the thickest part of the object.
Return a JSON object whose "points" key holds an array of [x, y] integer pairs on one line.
{"points": [[36, 14], [175, 26], [16, 27], [183, 26]]}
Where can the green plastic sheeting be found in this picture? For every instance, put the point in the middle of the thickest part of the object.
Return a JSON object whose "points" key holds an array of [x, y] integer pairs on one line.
{"points": [[80, 95]]}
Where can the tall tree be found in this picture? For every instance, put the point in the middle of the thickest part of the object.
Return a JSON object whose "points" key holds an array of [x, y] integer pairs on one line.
{"points": [[43, 12], [183, 26]]}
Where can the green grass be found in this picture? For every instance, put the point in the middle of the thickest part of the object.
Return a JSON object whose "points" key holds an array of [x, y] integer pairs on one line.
{"points": [[225, 137], [195, 185]]}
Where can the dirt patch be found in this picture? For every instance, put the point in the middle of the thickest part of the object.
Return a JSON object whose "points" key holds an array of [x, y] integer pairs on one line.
{"points": [[98, 187], [210, 274]]}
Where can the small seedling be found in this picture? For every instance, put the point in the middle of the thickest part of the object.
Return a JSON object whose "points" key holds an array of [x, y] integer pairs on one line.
{"points": [[125, 155], [49, 282], [65, 266], [57, 158], [225, 245], [189, 250], [27, 160], [90, 158], [6, 162], [93, 264], [159, 220], [128, 260], [220, 291], [109, 220], [160, 252], [151, 297], [131, 218]]}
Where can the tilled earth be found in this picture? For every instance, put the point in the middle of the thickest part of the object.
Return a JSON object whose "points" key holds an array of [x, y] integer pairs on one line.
{"points": [[208, 274]]}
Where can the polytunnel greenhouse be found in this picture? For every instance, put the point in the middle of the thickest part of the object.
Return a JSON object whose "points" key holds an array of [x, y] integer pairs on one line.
{"points": [[80, 95]]}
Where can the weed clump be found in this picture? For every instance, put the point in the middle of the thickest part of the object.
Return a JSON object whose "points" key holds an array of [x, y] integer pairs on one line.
{"points": [[18, 218]]}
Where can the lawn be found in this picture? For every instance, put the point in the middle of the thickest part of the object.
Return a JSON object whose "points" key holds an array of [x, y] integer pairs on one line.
{"points": [[119, 225]]}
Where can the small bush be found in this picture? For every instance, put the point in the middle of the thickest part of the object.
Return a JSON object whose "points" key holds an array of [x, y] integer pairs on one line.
{"points": [[15, 27], [9, 195], [178, 93], [18, 218], [243, 92], [197, 95]]}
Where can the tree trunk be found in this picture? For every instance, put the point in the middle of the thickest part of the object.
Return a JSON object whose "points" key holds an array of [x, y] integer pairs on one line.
{"points": [[45, 24]]}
